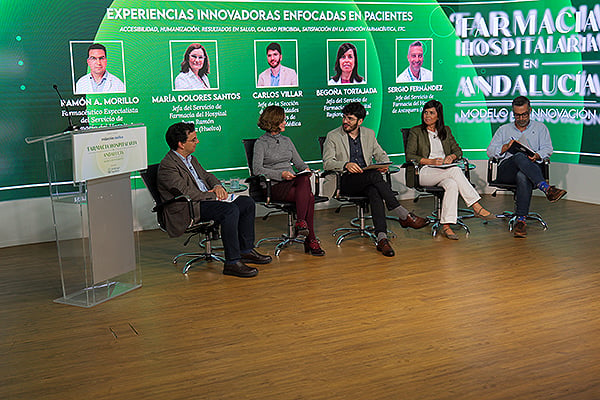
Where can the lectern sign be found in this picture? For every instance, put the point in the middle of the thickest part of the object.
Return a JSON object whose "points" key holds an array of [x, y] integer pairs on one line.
{"points": [[108, 152]]}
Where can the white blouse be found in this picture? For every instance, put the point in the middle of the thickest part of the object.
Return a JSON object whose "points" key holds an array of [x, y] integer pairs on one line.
{"points": [[436, 150]]}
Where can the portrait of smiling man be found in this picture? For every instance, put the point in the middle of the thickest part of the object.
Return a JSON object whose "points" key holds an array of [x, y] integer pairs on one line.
{"points": [[276, 74], [415, 71], [98, 80]]}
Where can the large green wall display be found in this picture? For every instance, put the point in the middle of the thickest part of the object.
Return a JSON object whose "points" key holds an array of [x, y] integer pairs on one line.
{"points": [[479, 56]]}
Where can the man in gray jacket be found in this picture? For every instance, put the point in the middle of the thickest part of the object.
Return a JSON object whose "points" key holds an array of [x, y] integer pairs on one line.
{"points": [[352, 147], [180, 173]]}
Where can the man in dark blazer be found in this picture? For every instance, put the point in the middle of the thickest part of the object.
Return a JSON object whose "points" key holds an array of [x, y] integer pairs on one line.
{"points": [[352, 147], [180, 173]]}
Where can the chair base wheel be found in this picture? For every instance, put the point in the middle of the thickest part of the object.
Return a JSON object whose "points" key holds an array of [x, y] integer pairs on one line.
{"points": [[512, 219]]}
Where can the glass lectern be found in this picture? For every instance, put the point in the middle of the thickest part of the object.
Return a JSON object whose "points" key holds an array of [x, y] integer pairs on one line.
{"points": [[90, 190]]}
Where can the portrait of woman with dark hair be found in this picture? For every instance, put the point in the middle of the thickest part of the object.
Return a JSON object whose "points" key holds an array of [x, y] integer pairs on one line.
{"points": [[346, 66], [194, 69]]}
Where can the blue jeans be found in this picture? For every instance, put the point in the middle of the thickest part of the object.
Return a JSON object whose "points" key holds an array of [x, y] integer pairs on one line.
{"points": [[526, 174]]}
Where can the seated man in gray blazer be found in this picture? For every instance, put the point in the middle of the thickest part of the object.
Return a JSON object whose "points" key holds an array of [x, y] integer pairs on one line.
{"points": [[181, 173], [352, 147]]}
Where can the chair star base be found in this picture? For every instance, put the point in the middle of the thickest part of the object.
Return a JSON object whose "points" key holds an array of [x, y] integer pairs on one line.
{"points": [[207, 256], [349, 232], [284, 241], [512, 219]]}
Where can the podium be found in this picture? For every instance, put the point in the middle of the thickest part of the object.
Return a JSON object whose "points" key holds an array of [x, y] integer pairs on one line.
{"points": [[90, 191]]}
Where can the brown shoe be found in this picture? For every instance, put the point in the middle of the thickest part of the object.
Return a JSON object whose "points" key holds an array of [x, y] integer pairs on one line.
{"points": [[384, 247], [413, 221], [520, 229], [554, 194], [449, 233]]}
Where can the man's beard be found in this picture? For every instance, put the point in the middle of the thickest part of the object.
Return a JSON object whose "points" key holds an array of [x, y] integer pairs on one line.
{"points": [[522, 123], [349, 127]]}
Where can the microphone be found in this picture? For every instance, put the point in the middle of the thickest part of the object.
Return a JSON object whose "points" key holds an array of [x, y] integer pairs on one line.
{"points": [[71, 127]]}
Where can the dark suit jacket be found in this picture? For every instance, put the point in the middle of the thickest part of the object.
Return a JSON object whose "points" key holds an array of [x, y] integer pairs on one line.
{"points": [[175, 179], [417, 145]]}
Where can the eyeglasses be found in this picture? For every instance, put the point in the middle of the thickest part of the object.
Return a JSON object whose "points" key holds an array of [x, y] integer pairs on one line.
{"points": [[350, 118], [194, 140], [93, 59], [521, 115], [195, 57]]}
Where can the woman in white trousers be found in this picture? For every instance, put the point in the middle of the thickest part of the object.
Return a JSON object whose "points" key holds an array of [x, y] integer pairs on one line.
{"points": [[432, 146]]}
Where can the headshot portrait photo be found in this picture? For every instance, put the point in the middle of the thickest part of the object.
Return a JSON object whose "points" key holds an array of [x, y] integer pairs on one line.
{"points": [[276, 63], [413, 58], [103, 70], [346, 61], [194, 64]]}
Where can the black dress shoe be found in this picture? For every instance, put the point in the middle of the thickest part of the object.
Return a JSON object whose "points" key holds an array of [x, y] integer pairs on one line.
{"points": [[384, 247], [240, 269], [413, 221], [254, 257]]}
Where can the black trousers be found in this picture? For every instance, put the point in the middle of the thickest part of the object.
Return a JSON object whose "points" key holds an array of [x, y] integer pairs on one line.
{"points": [[237, 224], [371, 184]]}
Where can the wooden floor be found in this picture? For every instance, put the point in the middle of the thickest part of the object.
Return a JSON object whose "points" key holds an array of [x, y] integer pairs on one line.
{"points": [[487, 317]]}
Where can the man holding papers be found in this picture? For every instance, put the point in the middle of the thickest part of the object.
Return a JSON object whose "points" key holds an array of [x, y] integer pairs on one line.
{"points": [[432, 145], [180, 173], [516, 167], [351, 148]]}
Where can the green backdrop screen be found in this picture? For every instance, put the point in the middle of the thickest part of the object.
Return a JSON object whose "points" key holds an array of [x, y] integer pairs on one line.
{"points": [[481, 55]]}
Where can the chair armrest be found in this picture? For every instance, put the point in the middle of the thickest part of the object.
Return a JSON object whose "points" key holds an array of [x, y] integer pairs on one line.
{"points": [[546, 168], [316, 174], [262, 182], [338, 181], [412, 173], [490, 172], [392, 169], [466, 166], [161, 205]]}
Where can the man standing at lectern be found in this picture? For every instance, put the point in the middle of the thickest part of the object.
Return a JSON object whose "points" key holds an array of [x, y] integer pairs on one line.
{"points": [[180, 173]]}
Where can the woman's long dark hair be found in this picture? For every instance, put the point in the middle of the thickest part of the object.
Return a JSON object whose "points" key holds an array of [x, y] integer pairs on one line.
{"points": [[354, 77], [185, 64], [439, 125]]}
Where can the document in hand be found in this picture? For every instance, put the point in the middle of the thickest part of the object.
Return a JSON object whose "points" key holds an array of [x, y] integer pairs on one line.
{"points": [[518, 147], [305, 172], [444, 166], [377, 165], [230, 197]]}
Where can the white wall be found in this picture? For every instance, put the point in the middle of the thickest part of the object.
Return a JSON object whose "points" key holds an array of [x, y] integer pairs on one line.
{"points": [[30, 220]]}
